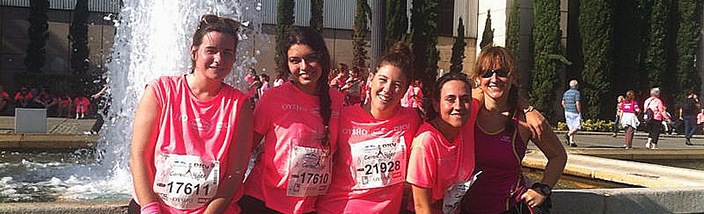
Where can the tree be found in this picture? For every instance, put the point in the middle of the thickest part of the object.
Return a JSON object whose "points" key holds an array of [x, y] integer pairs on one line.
{"points": [[424, 40], [284, 21], [458, 49], [78, 34], [514, 30], [656, 58], [361, 27], [316, 15], [546, 38], [396, 21], [687, 36], [488, 34], [37, 33], [595, 26]]}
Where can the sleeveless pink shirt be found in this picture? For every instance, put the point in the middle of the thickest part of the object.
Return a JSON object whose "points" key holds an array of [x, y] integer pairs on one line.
{"points": [[190, 127]]}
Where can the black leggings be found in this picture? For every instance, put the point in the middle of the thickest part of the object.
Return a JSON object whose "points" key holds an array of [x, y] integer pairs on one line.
{"points": [[654, 127]]}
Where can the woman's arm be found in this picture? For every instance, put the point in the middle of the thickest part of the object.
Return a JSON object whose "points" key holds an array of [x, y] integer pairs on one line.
{"points": [[238, 160], [142, 146], [422, 198], [550, 145]]}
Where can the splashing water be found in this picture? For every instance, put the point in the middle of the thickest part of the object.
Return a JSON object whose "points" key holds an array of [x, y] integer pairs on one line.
{"points": [[152, 40]]}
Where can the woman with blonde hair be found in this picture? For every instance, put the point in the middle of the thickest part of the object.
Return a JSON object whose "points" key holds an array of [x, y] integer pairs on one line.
{"points": [[629, 121]]}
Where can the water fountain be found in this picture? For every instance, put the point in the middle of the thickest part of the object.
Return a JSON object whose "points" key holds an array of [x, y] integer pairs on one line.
{"points": [[152, 40]]}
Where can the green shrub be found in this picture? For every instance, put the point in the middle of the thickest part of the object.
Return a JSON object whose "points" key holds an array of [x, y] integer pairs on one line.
{"points": [[589, 125]]}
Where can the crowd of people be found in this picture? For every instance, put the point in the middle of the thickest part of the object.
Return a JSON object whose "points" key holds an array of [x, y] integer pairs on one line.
{"points": [[62, 104], [331, 140], [654, 117]]}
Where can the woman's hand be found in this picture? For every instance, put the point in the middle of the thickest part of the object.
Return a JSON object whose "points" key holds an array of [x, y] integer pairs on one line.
{"points": [[533, 198]]}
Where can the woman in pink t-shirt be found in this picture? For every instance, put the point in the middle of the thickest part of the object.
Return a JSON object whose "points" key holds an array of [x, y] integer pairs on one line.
{"points": [[442, 157], [298, 122], [629, 121], [501, 136], [372, 154], [192, 133]]}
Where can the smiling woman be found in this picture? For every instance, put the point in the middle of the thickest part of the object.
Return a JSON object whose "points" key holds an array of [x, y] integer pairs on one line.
{"points": [[173, 131], [370, 165]]}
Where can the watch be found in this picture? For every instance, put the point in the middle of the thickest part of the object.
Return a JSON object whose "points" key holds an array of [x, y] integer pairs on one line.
{"points": [[543, 189]]}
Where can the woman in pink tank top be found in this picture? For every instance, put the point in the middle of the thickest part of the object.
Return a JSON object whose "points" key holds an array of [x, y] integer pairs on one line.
{"points": [[192, 133], [370, 164], [442, 156], [298, 122], [501, 137]]}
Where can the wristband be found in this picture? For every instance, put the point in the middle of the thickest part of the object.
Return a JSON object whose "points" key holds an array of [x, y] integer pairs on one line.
{"points": [[529, 109], [151, 208]]}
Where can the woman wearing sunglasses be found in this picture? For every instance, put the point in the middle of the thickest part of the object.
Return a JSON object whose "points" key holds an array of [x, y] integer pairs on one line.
{"points": [[298, 122], [501, 136], [192, 133]]}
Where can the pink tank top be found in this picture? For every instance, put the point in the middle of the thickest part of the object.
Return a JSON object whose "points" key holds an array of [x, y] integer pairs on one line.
{"points": [[190, 127], [499, 156]]}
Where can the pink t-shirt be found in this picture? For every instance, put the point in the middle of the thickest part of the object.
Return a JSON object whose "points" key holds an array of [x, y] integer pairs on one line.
{"points": [[629, 106], [188, 126], [413, 97], [370, 164], [290, 121], [437, 164], [656, 105], [81, 103]]}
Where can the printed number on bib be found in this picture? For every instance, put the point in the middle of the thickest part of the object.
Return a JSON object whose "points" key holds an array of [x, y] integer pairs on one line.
{"points": [[379, 162], [185, 181], [453, 194], [310, 172]]}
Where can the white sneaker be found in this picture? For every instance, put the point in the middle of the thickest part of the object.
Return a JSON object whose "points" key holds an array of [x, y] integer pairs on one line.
{"points": [[647, 145]]}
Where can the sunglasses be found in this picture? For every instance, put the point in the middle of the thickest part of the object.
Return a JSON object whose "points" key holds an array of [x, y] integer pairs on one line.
{"points": [[499, 73], [214, 20]]}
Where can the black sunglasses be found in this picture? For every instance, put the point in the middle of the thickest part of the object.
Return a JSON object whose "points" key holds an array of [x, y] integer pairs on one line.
{"points": [[499, 73], [213, 20]]}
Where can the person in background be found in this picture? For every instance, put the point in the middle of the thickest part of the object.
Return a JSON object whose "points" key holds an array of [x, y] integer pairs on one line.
{"points": [[654, 104], [4, 99], [192, 133], [46, 101], [629, 121], [265, 84], [280, 79], [442, 155], [353, 87], [23, 98], [414, 97], [617, 118], [340, 79], [571, 102], [64, 107], [501, 135], [298, 122], [81, 102], [688, 114], [700, 119]]}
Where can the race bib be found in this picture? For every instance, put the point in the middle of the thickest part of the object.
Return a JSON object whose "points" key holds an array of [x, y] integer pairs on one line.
{"points": [[186, 181], [454, 194], [309, 170], [379, 162]]}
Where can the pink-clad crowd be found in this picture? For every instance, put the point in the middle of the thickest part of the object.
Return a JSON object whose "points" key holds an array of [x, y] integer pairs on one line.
{"points": [[316, 148]]}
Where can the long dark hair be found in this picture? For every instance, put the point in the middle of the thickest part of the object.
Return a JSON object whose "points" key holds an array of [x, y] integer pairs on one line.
{"points": [[307, 36]]}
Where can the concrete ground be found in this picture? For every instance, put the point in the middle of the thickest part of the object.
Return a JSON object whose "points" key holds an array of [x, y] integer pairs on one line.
{"points": [[665, 189]]}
